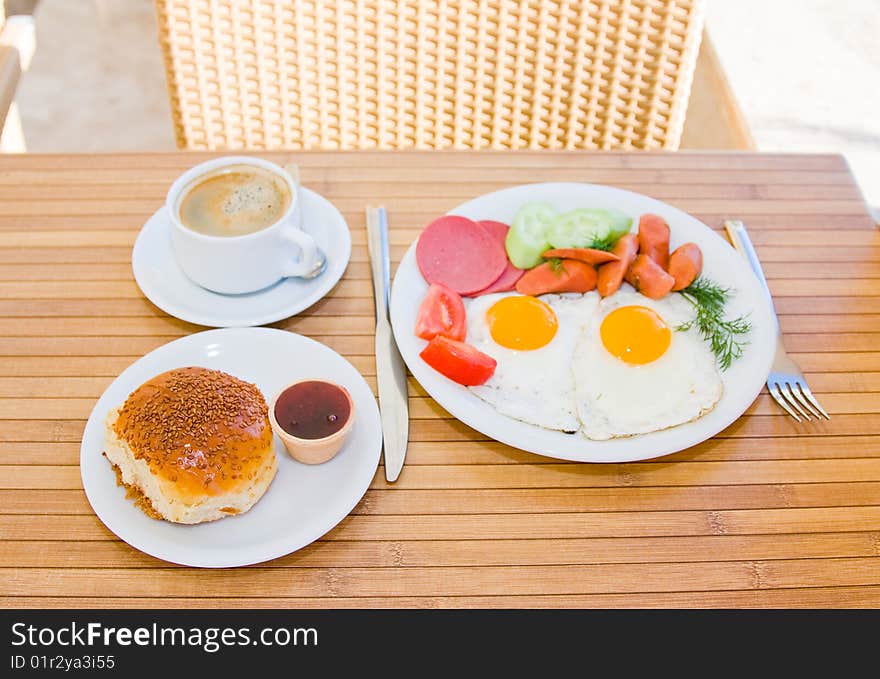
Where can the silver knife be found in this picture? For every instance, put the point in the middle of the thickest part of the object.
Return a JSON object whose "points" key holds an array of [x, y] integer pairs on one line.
{"points": [[390, 369]]}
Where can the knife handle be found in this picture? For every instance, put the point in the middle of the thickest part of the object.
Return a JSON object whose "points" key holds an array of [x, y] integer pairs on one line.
{"points": [[380, 263]]}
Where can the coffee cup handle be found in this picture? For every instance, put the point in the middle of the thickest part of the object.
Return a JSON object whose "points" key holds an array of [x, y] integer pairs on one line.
{"points": [[308, 260]]}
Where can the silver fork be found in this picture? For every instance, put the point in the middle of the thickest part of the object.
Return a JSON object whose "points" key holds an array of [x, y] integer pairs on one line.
{"points": [[786, 382]]}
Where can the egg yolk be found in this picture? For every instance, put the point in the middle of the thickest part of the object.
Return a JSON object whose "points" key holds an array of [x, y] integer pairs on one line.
{"points": [[635, 334], [522, 323]]}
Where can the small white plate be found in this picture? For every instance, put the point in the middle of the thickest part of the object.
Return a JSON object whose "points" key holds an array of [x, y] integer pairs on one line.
{"points": [[303, 502], [742, 382], [165, 285]]}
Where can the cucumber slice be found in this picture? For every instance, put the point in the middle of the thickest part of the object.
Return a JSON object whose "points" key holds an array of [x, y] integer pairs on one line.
{"points": [[527, 238], [580, 228], [588, 228], [620, 223], [522, 253]]}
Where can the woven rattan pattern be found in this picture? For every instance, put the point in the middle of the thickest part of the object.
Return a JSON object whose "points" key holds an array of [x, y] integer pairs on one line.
{"points": [[267, 74]]}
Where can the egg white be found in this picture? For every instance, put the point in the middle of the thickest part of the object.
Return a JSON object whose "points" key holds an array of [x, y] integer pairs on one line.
{"points": [[616, 399], [536, 386]]}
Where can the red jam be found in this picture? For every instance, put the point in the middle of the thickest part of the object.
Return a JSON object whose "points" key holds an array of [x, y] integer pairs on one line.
{"points": [[312, 410]]}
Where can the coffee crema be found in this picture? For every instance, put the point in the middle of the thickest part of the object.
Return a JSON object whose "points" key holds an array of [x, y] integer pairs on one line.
{"points": [[234, 201]]}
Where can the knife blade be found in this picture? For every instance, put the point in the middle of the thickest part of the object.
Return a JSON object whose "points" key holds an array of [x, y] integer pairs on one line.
{"points": [[390, 369]]}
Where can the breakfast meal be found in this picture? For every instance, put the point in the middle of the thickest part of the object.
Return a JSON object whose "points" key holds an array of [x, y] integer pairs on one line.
{"points": [[577, 321], [192, 445], [312, 418], [234, 201]]}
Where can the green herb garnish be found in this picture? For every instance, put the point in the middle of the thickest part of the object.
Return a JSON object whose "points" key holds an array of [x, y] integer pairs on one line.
{"points": [[724, 336], [606, 244], [556, 265]]}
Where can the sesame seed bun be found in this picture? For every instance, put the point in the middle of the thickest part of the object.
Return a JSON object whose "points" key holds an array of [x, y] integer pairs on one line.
{"points": [[192, 445]]}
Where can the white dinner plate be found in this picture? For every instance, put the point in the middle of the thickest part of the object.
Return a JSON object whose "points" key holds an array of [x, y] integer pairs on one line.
{"points": [[302, 503], [163, 282], [742, 382]]}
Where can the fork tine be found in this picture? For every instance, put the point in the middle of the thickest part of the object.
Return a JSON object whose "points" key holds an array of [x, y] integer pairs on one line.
{"points": [[812, 399], [796, 390], [777, 396], [786, 391]]}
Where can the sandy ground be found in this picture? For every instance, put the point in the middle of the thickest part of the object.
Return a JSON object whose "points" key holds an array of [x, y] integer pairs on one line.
{"points": [[807, 74]]}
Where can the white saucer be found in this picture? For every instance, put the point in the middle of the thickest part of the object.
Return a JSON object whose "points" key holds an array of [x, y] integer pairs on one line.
{"points": [[302, 503], [165, 285]]}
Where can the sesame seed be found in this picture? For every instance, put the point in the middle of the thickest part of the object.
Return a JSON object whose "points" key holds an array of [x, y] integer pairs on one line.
{"points": [[200, 421]]}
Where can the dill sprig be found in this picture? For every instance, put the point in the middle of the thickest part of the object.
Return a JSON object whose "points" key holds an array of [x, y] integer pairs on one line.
{"points": [[605, 244], [556, 265], [725, 337]]}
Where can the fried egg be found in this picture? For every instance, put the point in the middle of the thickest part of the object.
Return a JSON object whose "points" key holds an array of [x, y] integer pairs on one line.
{"points": [[635, 372], [533, 340]]}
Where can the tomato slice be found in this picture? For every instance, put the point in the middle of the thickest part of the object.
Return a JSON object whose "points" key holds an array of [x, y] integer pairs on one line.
{"points": [[460, 362], [441, 313]]}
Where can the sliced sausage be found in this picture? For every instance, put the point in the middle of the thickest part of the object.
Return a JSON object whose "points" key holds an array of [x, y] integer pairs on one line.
{"points": [[654, 239], [588, 255], [611, 274], [560, 275], [685, 265], [646, 276]]}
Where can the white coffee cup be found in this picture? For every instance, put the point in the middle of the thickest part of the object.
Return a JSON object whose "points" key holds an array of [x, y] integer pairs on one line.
{"points": [[247, 263]]}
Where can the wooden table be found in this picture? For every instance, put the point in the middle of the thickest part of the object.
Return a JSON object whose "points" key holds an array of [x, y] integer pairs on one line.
{"points": [[769, 513]]}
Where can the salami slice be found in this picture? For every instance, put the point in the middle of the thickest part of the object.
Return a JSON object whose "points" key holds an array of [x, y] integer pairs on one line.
{"points": [[508, 278], [460, 254], [498, 230], [505, 282]]}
